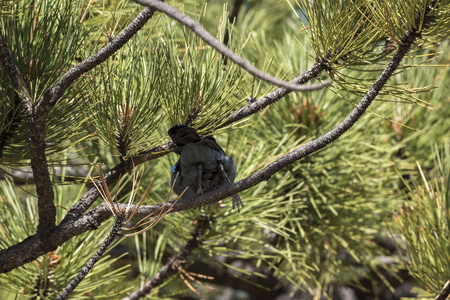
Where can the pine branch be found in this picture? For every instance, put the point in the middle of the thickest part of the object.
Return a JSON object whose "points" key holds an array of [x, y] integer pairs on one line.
{"points": [[113, 236], [94, 60], [124, 167], [9, 258], [232, 18], [224, 50], [168, 269], [266, 173], [314, 145], [44, 190], [271, 98], [26, 250], [38, 114], [39, 166]]}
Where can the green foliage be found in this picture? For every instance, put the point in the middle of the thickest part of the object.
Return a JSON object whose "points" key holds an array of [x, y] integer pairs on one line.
{"points": [[196, 88], [395, 18], [7, 7], [424, 222], [361, 35], [172, 78], [313, 224], [44, 38], [49, 274], [122, 107], [341, 32]]}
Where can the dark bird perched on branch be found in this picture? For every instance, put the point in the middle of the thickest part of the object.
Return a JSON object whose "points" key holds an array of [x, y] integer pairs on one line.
{"points": [[203, 165]]}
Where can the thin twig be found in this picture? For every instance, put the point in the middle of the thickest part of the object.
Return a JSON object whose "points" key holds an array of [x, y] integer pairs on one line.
{"points": [[271, 98], [170, 267], [234, 12], [113, 236], [224, 50]]}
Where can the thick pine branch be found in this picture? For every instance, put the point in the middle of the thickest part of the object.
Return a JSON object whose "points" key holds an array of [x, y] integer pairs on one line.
{"points": [[37, 118], [38, 114], [36, 121], [38, 161]]}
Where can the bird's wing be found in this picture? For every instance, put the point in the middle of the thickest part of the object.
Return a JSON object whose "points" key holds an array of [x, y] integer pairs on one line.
{"points": [[211, 143]]}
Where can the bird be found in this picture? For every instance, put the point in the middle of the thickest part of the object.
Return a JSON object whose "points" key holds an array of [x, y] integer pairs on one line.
{"points": [[202, 167]]}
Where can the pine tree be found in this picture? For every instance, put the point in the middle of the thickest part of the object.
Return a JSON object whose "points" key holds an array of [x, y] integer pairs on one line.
{"points": [[91, 88]]}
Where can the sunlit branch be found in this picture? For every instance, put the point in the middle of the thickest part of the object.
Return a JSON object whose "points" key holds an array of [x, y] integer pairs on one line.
{"points": [[224, 50]]}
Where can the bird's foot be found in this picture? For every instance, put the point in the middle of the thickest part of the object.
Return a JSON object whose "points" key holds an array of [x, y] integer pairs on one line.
{"points": [[237, 202]]}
